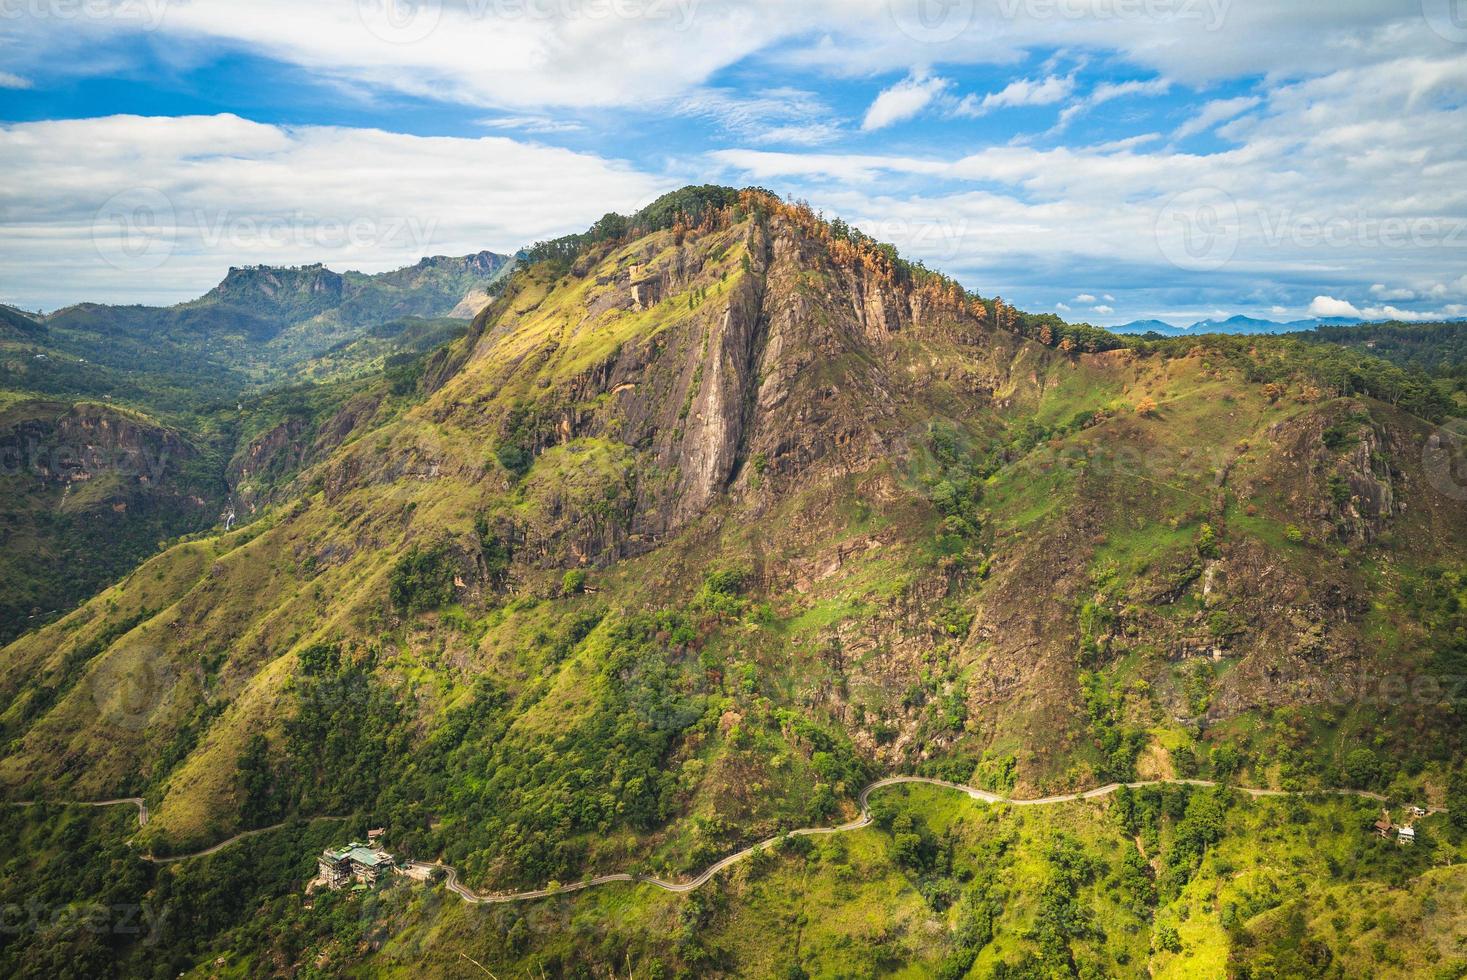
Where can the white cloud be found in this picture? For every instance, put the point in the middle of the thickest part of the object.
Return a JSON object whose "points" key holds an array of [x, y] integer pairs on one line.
{"points": [[1379, 291], [639, 52], [532, 124], [1315, 186], [770, 116], [903, 100], [8, 80], [1368, 114], [1108, 298], [1277, 310], [222, 191], [1103, 310], [1110, 91], [1214, 112], [1329, 306], [1024, 91], [1062, 307], [1440, 289], [1084, 298]]}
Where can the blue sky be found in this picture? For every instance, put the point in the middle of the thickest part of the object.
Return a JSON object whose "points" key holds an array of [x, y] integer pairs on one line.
{"points": [[1106, 159]]}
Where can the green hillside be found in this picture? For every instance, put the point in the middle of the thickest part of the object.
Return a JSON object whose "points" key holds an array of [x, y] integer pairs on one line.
{"points": [[716, 514], [132, 425]]}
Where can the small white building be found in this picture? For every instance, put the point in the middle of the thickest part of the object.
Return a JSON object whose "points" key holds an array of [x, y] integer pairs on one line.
{"points": [[1406, 835]]}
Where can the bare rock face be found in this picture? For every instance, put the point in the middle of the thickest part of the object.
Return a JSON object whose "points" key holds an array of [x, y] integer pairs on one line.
{"points": [[66, 445], [1346, 481], [771, 356]]}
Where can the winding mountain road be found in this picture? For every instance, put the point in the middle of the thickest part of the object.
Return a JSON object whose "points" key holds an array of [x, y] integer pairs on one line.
{"points": [[452, 883], [226, 842], [864, 820], [136, 801]]}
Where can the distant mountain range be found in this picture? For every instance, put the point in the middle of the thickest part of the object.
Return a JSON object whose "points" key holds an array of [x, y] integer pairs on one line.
{"points": [[1238, 325], [260, 322]]}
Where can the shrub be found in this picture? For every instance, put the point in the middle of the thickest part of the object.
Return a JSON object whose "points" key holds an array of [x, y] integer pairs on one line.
{"points": [[421, 580], [516, 460], [573, 582]]}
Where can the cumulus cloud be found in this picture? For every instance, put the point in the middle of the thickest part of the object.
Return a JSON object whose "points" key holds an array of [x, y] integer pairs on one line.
{"points": [[1103, 310], [903, 100], [1329, 306], [1369, 110], [1084, 298], [217, 191], [8, 80]]}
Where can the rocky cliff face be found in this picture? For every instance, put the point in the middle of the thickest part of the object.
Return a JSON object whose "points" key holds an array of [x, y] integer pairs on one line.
{"points": [[281, 291], [764, 358], [64, 445]]}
